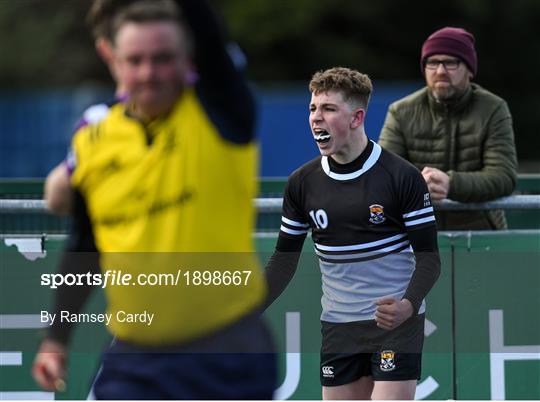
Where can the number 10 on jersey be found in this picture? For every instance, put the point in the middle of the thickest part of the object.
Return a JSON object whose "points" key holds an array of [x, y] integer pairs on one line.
{"points": [[319, 218]]}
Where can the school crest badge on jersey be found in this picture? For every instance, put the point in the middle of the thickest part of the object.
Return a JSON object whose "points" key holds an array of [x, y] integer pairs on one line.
{"points": [[387, 360], [376, 213]]}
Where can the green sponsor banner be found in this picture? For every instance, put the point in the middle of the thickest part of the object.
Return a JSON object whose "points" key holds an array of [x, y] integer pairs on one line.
{"points": [[482, 330], [498, 316]]}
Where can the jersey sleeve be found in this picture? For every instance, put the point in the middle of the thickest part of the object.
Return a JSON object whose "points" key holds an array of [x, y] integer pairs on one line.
{"points": [[416, 207], [294, 222], [94, 114], [419, 221], [80, 149]]}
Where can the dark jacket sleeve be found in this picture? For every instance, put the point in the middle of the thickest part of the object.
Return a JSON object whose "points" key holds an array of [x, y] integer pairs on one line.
{"points": [[498, 175]]}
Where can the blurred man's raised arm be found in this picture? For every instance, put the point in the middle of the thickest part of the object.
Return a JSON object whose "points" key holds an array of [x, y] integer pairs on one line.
{"points": [[222, 87]]}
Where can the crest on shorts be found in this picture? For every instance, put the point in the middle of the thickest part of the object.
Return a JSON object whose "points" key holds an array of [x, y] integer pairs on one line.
{"points": [[387, 360], [376, 213]]}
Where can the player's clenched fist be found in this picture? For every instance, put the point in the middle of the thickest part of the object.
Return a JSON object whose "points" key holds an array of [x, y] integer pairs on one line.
{"points": [[391, 313]]}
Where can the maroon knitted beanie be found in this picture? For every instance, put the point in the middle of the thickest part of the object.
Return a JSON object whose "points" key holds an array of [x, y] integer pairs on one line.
{"points": [[452, 41]]}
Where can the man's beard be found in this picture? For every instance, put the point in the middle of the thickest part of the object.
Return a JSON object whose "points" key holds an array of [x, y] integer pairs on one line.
{"points": [[445, 94]]}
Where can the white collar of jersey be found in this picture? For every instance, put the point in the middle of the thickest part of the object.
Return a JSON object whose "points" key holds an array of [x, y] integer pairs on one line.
{"points": [[368, 164]]}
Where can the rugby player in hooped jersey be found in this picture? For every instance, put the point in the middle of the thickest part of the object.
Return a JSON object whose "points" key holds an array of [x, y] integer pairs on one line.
{"points": [[375, 235]]}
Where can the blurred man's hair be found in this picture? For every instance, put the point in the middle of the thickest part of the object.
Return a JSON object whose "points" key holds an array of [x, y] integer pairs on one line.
{"points": [[354, 85], [103, 13], [143, 11]]}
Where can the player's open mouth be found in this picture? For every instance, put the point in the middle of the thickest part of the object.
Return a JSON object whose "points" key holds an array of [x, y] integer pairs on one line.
{"points": [[321, 136]]}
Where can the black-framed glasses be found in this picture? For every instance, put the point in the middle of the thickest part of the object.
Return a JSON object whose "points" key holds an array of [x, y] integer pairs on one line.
{"points": [[450, 64]]}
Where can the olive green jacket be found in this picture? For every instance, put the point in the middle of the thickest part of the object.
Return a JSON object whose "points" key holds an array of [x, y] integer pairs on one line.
{"points": [[472, 140]]}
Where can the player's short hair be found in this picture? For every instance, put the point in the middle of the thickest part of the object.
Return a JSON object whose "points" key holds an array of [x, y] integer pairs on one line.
{"points": [[101, 15], [354, 85]]}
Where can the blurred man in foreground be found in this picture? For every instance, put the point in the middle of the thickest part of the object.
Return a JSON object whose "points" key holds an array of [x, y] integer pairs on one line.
{"points": [[164, 185]]}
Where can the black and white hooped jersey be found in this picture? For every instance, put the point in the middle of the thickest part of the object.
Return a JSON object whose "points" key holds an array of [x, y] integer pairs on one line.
{"points": [[359, 214]]}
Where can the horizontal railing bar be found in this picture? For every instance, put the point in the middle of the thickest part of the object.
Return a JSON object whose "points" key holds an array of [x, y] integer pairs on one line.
{"points": [[274, 234], [272, 205], [268, 205]]}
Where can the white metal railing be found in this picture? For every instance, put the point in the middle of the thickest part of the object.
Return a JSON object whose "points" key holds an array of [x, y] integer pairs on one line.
{"points": [[270, 205], [512, 202]]}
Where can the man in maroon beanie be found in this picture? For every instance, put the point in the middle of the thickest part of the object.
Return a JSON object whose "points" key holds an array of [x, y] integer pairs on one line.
{"points": [[457, 133]]}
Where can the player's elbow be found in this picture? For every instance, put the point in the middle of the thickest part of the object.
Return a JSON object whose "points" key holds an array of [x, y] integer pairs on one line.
{"points": [[58, 192], [57, 204]]}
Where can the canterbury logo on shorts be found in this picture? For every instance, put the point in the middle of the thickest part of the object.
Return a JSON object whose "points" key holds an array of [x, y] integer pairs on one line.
{"points": [[328, 371]]}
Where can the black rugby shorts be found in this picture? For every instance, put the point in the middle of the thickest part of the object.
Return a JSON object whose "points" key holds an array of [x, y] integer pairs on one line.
{"points": [[357, 349]]}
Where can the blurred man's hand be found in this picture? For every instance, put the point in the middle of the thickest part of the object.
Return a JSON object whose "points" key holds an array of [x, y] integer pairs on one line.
{"points": [[49, 368]]}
